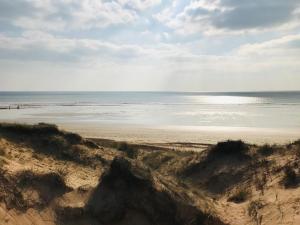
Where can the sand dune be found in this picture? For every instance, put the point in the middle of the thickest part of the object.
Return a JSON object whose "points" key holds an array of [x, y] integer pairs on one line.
{"points": [[49, 176]]}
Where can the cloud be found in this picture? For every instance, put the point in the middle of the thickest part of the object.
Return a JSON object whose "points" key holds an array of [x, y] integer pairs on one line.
{"points": [[13, 9], [64, 14], [99, 65], [118, 40], [208, 16], [139, 4], [41, 46], [254, 14], [45, 47], [286, 48]]}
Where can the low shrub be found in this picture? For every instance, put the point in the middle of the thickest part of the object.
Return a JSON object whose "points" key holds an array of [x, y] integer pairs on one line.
{"points": [[297, 142], [230, 147], [123, 146], [48, 186], [128, 149], [266, 150], [10, 194], [56, 142], [76, 152], [25, 129], [49, 140], [52, 180], [157, 158], [290, 177], [73, 138], [80, 149], [91, 144]]}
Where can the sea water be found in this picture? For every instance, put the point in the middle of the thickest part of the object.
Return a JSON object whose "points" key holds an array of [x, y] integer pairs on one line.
{"points": [[186, 109]]}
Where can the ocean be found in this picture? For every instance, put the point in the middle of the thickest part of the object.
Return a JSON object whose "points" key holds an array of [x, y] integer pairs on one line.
{"points": [[186, 109]]}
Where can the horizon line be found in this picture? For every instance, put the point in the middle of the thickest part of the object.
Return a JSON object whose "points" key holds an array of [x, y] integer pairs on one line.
{"points": [[94, 91]]}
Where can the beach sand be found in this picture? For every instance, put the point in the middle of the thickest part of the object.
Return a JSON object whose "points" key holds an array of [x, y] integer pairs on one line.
{"points": [[171, 134]]}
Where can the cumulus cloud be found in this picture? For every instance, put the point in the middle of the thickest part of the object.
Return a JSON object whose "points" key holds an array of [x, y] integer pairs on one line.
{"points": [[13, 9], [121, 38], [41, 46], [44, 47], [231, 15], [254, 14], [285, 48], [139, 4], [64, 14]]}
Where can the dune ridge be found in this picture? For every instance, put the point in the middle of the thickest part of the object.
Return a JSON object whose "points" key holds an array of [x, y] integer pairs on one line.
{"points": [[49, 176]]}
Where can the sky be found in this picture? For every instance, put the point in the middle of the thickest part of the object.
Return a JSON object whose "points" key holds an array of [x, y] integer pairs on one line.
{"points": [[149, 45]]}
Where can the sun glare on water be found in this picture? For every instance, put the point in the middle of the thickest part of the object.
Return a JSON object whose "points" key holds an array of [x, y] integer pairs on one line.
{"points": [[226, 100]]}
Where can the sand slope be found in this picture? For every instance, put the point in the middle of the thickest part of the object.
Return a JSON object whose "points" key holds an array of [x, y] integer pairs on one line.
{"points": [[48, 176]]}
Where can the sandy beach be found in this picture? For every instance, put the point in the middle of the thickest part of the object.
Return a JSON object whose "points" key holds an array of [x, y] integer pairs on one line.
{"points": [[205, 135], [173, 134]]}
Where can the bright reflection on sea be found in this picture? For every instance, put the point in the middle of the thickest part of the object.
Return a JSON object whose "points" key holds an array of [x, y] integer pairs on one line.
{"points": [[225, 100], [261, 110]]}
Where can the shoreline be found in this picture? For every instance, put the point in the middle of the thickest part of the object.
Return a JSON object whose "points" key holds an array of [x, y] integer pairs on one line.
{"points": [[175, 134], [171, 134], [205, 135]]}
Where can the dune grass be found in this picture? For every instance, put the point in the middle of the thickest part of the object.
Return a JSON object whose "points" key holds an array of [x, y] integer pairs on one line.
{"points": [[129, 150], [48, 139], [290, 179], [230, 147], [240, 196]]}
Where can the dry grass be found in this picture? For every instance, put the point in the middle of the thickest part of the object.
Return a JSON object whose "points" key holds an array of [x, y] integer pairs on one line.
{"points": [[10, 194], [240, 196], [47, 139], [290, 179], [25, 129], [2, 152], [49, 186], [253, 211], [159, 183], [266, 150], [128, 149]]}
